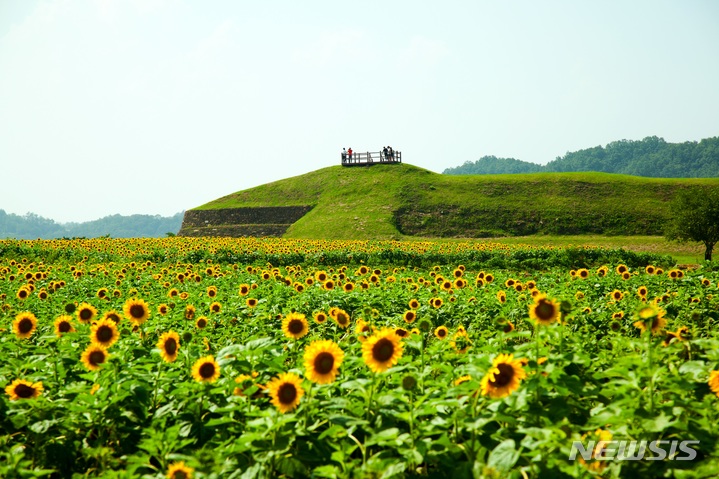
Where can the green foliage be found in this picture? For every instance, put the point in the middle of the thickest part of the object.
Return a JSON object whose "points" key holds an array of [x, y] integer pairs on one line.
{"points": [[491, 165], [696, 218], [651, 157], [32, 226]]}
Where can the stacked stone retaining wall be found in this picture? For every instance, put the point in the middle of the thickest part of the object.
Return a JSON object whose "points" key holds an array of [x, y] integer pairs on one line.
{"points": [[238, 222]]}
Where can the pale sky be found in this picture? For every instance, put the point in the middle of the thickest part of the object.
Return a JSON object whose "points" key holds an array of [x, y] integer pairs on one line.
{"points": [[155, 106]]}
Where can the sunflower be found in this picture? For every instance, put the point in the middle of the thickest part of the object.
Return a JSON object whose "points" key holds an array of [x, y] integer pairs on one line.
{"points": [[597, 461], [436, 302], [462, 379], [93, 357], [113, 316], [21, 389], [650, 318], [201, 322], [401, 332], [285, 391], [501, 296], [212, 291], [86, 313], [190, 312], [24, 325], [642, 292], [714, 382], [504, 377], [362, 329], [621, 269], [178, 470], [382, 350], [244, 289], [104, 333], [348, 287], [295, 325], [136, 310], [206, 370], [322, 361], [649, 269], [63, 324], [441, 332], [409, 316], [328, 285], [215, 307], [616, 295], [321, 276], [163, 309], [460, 341], [320, 317], [168, 345], [251, 302], [342, 318], [22, 293], [544, 311]]}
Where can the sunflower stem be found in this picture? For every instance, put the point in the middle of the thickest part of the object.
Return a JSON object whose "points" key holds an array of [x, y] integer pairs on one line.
{"points": [[369, 396], [537, 330], [157, 386], [651, 372]]}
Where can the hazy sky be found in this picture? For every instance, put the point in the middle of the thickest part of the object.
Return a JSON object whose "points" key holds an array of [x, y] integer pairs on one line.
{"points": [[155, 106]]}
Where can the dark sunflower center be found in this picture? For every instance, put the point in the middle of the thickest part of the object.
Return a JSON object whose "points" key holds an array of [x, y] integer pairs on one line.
{"points": [[96, 357], [244, 290], [113, 317], [171, 346], [201, 323], [342, 319], [383, 350], [287, 393], [24, 326], [104, 334], [508, 328], [324, 362], [544, 310], [24, 391], [504, 377], [295, 326], [64, 327], [137, 311], [85, 314], [442, 333], [215, 308], [207, 370]]}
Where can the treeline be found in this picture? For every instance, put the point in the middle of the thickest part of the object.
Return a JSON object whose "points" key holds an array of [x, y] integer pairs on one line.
{"points": [[651, 157], [32, 226]]}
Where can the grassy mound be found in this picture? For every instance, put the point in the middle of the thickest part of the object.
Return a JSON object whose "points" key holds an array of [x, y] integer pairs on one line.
{"points": [[394, 201]]}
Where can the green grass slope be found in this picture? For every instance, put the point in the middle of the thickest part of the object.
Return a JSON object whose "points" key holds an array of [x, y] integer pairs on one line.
{"points": [[393, 201]]}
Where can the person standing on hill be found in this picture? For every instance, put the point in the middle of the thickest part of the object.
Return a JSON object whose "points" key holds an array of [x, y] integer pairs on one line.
{"points": [[344, 155], [349, 155]]}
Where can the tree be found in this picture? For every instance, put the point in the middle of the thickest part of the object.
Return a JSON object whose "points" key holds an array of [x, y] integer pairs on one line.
{"points": [[695, 217]]}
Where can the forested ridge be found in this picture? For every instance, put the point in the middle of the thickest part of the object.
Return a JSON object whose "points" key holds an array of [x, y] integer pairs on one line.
{"points": [[32, 226], [652, 157]]}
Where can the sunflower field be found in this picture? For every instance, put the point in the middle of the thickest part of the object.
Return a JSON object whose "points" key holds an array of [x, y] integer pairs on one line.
{"points": [[249, 358]]}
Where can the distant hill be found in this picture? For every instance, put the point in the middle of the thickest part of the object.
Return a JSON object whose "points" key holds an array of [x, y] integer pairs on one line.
{"points": [[651, 157], [32, 226], [404, 201]]}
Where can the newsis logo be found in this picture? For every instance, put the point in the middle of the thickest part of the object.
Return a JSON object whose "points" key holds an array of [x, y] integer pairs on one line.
{"points": [[634, 450]]}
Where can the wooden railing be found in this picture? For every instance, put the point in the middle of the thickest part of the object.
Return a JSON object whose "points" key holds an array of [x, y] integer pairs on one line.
{"points": [[370, 158]]}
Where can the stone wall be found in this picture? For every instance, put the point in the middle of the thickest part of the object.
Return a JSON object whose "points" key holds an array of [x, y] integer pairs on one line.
{"points": [[237, 222]]}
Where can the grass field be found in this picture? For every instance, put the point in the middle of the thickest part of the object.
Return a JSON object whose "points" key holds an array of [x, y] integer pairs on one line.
{"points": [[687, 253]]}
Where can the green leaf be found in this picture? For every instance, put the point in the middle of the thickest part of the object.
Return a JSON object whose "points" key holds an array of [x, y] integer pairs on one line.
{"points": [[504, 456]]}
